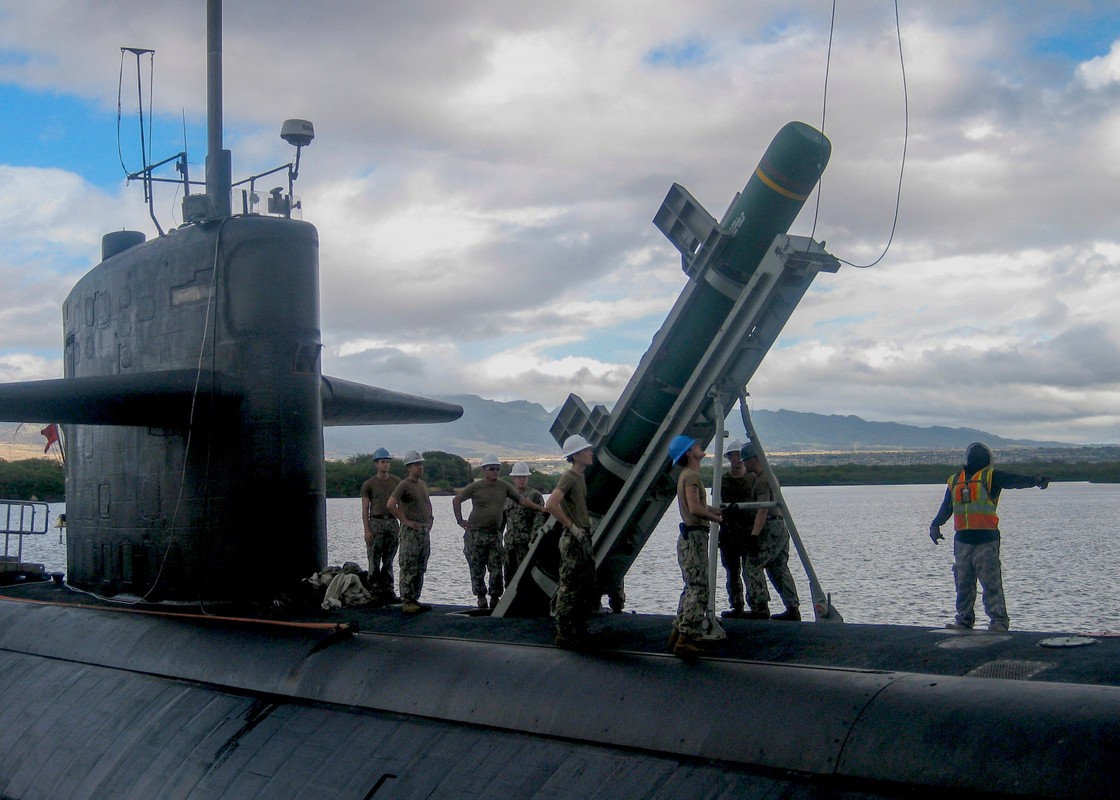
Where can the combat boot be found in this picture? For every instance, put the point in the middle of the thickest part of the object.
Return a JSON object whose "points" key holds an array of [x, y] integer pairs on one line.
{"points": [[998, 627], [735, 612], [411, 607], [571, 640], [958, 626], [791, 614], [674, 635], [482, 601], [762, 612], [687, 647]]}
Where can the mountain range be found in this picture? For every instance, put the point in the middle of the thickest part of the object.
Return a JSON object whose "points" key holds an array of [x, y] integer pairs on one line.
{"points": [[520, 428]]}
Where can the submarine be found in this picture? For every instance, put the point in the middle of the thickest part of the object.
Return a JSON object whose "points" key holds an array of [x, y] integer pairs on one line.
{"points": [[184, 399]]}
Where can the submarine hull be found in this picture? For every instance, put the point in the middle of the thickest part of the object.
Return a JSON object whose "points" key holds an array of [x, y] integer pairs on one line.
{"points": [[103, 703]]}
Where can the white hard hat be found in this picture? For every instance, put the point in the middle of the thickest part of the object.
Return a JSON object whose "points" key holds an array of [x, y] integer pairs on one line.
{"points": [[573, 444], [412, 457], [490, 460], [520, 470], [734, 446]]}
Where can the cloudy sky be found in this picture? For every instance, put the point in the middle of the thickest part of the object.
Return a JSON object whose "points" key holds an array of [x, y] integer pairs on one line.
{"points": [[484, 176]]}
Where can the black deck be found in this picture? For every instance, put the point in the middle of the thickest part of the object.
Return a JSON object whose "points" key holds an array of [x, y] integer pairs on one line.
{"points": [[890, 648], [459, 704]]}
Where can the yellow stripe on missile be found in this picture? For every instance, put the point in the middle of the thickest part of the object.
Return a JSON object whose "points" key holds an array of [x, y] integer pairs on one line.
{"points": [[784, 192]]}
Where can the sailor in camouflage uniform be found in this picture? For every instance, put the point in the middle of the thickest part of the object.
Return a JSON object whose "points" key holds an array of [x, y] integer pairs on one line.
{"points": [[521, 522], [770, 549], [576, 593], [411, 505], [692, 546], [734, 537], [382, 531], [482, 532]]}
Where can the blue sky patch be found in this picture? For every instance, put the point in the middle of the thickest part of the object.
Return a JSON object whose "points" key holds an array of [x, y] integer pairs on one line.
{"points": [[44, 129], [1081, 37], [678, 55]]}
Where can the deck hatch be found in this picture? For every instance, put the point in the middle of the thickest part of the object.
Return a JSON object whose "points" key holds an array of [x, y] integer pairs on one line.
{"points": [[1010, 668]]}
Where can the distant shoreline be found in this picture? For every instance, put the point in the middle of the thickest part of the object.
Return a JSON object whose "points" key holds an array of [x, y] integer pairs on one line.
{"points": [[21, 479]]}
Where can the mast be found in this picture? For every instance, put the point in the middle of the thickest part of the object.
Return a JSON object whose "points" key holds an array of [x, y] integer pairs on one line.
{"points": [[219, 167]]}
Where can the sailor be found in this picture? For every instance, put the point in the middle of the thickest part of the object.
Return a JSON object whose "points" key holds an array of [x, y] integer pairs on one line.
{"points": [[971, 497], [482, 531], [410, 504], [521, 521], [382, 531], [692, 546], [735, 487], [768, 548], [576, 594]]}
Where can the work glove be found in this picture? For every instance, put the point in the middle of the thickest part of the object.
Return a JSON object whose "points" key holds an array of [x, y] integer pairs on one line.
{"points": [[1041, 481], [935, 533]]}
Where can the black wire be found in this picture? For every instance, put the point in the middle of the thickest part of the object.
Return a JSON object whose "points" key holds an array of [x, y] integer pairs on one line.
{"points": [[210, 397], [120, 85], [824, 113], [905, 135]]}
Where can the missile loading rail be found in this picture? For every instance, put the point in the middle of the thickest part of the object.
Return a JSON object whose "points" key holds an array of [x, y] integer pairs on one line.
{"points": [[761, 305], [762, 308]]}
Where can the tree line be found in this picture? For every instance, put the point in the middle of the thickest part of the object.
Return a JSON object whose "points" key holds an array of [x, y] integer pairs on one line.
{"points": [[443, 472], [43, 479], [39, 479]]}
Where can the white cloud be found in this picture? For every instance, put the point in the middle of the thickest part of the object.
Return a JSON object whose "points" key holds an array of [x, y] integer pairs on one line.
{"points": [[27, 367], [485, 174], [1102, 71]]}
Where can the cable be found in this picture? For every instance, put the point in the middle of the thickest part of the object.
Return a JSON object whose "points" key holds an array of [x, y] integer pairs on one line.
{"points": [[905, 136], [194, 401], [120, 88], [824, 113]]}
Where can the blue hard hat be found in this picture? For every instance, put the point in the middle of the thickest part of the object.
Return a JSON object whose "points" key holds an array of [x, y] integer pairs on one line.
{"points": [[679, 446], [380, 453]]}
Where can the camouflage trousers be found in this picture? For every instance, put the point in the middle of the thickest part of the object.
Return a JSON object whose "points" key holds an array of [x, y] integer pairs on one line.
{"points": [[484, 552], [381, 552], [972, 562], [415, 547], [771, 555], [737, 565], [516, 552], [576, 595], [692, 557]]}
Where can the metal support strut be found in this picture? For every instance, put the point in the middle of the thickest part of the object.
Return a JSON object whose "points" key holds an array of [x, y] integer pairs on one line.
{"points": [[712, 629], [823, 610]]}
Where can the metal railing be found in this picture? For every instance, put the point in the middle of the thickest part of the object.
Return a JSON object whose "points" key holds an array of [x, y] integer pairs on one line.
{"points": [[21, 518]]}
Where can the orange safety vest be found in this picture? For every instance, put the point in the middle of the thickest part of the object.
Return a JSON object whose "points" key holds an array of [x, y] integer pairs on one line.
{"points": [[974, 508]]}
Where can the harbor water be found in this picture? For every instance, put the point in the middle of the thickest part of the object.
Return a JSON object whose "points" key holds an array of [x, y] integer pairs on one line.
{"points": [[869, 546]]}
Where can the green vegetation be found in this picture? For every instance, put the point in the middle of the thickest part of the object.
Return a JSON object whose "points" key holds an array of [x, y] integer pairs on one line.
{"points": [[32, 479], [42, 478], [443, 472]]}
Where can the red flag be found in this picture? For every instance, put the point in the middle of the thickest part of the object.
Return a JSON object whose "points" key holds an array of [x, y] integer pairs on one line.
{"points": [[51, 434]]}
